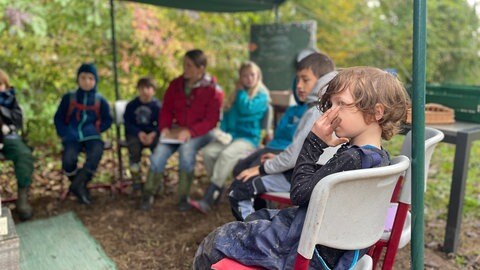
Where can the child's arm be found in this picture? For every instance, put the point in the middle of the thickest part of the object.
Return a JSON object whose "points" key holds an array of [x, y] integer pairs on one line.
{"points": [[105, 115], [129, 118], [212, 114], [60, 116], [307, 173]]}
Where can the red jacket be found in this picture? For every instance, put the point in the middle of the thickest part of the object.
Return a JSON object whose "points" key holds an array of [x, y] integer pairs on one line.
{"points": [[199, 112]]}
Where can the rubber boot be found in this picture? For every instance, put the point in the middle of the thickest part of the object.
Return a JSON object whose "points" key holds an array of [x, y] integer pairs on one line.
{"points": [[184, 182], [24, 209], [211, 197], [137, 184], [152, 187], [79, 186]]}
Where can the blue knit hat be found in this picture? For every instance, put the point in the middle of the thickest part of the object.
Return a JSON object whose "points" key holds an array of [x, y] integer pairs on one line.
{"points": [[88, 68]]}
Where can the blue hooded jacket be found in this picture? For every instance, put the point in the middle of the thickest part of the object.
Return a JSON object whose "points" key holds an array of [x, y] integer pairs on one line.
{"points": [[287, 125], [243, 120], [81, 125]]}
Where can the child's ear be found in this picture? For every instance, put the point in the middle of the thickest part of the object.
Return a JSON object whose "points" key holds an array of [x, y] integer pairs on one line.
{"points": [[379, 111]]}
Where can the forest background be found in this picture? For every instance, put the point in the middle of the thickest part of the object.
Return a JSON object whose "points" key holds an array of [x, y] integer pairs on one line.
{"points": [[42, 44]]}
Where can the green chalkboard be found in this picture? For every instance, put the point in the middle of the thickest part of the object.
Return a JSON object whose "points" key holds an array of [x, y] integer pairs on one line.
{"points": [[274, 47]]}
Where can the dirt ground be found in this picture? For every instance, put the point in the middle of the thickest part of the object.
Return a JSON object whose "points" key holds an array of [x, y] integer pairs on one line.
{"points": [[165, 238]]}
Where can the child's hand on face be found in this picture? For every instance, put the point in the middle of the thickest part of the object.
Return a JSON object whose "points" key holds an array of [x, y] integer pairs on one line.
{"points": [[325, 127]]}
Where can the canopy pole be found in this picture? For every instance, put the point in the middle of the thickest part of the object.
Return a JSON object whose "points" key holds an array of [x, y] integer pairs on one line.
{"points": [[277, 15], [418, 132], [117, 95]]}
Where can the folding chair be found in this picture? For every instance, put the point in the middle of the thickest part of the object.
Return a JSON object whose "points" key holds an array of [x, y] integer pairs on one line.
{"points": [[347, 210], [398, 226]]}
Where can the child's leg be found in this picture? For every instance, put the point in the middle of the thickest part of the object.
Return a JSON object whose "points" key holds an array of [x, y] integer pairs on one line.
{"points": [[243, 193], [187, 156], [154, 183], [71, 150], [18, 152], [94, 152], [222, 169], [134, 149], [160, 156], [210, 154], [227, 160]]}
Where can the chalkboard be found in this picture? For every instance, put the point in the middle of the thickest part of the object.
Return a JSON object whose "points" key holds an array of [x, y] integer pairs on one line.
{"points": [[274, 47]]}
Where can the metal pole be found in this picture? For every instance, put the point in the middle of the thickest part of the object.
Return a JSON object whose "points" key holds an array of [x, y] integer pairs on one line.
{"points": [[277, 15], [418, 132], [117, 95]]}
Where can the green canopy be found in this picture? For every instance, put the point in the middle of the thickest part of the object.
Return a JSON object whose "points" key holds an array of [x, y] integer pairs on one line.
{"points": [[216, 5], [418, 99]]}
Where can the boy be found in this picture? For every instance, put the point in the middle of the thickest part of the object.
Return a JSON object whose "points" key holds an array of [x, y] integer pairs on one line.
{"points": [[141, 125], [314, 72], [80, 119], [362, 106], [14, 148]]}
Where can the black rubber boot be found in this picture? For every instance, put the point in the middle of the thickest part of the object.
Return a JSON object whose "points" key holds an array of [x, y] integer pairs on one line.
{"points": [[24, 209], [79, 186], [212, 195], [184, 181]]}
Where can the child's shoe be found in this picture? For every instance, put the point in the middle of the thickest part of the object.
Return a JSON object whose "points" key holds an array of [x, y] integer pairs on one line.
{"points": [[24, 209]]}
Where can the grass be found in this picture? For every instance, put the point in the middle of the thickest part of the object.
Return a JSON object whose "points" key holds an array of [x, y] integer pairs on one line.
{"points": [[439, 179]]}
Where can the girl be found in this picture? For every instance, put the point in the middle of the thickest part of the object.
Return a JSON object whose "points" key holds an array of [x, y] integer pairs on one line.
{"points": [[244, 111]]}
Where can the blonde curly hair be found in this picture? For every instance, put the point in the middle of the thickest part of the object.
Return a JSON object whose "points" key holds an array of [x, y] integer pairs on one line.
{"points": [[370, 86]]}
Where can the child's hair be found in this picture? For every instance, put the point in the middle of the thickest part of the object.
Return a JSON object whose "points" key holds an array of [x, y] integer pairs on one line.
{"points": [[88, 68], [370, 86], [4, 78], [198, 57], [319, 63], [259, 86], [147, 82]]}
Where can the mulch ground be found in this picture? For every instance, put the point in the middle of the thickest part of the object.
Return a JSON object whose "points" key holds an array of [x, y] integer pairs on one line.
{"points": [[165, 238]]}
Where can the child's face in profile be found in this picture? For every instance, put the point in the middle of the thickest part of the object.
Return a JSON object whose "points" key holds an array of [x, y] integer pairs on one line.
{"points": [[86, 81], [3, 86], [352, 120], [146, 93], [191, 71], [248, 77], [306, 80]]}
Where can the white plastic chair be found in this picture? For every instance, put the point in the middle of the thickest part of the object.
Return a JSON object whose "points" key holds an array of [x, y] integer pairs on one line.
{"points": [[347, 210], [120, 106], [398, 228]]}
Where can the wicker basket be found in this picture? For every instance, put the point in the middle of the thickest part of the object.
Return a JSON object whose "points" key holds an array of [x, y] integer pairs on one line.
{"points": [[435, 114]]}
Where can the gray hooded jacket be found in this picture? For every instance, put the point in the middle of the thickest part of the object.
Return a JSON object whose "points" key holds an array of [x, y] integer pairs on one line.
{"points": [[286, 159]]}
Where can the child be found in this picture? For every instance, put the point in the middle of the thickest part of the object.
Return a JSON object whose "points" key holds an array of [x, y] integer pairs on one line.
{"points": [[362, 105], [190, 111], [80, 119], [141, 125], [314, 72], [14, 148], [242, 119]]}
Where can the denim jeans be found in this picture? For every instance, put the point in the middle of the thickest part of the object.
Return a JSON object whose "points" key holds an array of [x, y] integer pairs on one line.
{"points": [[187, 153], [71, 150]]}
